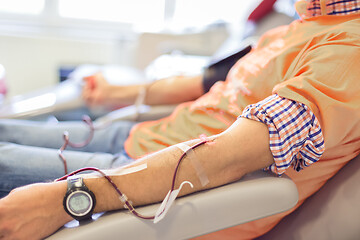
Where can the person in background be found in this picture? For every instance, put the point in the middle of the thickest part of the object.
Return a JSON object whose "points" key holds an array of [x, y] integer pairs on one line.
{"points": [[290, 106]]}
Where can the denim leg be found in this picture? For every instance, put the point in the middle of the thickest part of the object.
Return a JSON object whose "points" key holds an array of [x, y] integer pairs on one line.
{"points": [[50, 135], [22, 165]]}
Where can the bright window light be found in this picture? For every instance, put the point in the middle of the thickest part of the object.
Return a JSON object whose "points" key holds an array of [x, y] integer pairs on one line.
{"points": [[203, 12], [127, 11], [22, 6]]}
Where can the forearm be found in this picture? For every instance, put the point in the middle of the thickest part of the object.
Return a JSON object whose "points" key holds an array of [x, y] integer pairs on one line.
{"points": [[170, 90], [224, 159], [174, 90]]}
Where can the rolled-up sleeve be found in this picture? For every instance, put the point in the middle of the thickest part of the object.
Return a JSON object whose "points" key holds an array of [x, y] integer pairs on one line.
{"points": [[296, 138]]}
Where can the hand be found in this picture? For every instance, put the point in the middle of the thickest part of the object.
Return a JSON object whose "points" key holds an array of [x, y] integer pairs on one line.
{"points": [[33, 212], [96, 90]]}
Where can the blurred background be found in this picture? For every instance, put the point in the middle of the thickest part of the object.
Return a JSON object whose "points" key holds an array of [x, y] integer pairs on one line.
{"points": [[40, 40]]}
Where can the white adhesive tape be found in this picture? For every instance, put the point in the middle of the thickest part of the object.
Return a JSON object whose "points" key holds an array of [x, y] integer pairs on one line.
{"points": [[204, 180]]}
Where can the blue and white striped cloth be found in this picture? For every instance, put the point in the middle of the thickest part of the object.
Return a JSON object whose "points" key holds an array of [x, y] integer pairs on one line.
{"points": [[296, 138], [332, 7]]}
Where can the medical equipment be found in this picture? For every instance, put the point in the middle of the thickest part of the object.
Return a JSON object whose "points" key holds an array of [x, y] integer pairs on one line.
{"points": [[170, 197], [79, 202], [204, 180]]}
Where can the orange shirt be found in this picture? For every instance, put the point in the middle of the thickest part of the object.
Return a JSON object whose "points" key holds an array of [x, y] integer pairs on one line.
{"points": [[311, 61]]}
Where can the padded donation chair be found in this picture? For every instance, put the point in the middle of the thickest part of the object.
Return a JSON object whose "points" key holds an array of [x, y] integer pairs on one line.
{"points": [[333, 213]]}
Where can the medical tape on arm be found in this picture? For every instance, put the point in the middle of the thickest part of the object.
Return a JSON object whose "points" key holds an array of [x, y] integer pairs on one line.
{"points": [[200, 171]]}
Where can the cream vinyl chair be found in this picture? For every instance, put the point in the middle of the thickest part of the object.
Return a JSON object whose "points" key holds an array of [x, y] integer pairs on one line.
{"points": [[332, 213]]}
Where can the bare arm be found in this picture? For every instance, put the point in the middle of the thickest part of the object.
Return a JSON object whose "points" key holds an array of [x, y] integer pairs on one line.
{"points": [[233, 153], [243, 148], [172, 90]]}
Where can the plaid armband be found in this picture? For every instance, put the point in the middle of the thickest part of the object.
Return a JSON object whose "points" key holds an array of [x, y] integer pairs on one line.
{"points": [[296, 138]]}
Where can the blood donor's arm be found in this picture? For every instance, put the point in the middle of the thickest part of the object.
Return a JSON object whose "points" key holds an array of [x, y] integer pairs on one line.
{"points": [[171, 90], [37, 210]]}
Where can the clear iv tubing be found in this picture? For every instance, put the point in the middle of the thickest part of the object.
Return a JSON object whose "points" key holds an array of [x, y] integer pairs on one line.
{"points": [[123, 198]]}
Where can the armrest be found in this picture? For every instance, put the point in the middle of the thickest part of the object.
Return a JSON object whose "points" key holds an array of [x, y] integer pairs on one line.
{"points": [[331, 213], [255, 196], [62, 97], [65, 97]]}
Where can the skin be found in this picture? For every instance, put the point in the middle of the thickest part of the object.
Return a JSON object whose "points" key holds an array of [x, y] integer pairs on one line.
{"points": [[97, 91], [36, 211]]}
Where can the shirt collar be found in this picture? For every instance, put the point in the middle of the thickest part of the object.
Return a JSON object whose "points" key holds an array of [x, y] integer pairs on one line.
{"points": [[314, 8]]}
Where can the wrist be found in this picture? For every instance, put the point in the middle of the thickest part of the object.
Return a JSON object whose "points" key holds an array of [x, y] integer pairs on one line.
{"points": [[125, 95], [106, 197], [57, 192]]}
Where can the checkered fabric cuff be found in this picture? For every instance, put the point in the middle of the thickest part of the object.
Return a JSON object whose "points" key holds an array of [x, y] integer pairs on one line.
{"points": [[333, 7], [296, 138]]}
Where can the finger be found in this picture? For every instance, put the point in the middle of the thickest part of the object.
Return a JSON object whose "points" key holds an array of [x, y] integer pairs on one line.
{"points": [[87, 78], [100, 79], [90, 82]]}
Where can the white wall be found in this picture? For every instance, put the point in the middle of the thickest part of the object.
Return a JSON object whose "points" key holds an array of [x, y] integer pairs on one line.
{"points": [[32, 62]]}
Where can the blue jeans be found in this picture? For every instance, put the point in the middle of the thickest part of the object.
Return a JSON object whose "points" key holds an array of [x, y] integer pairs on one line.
{"points": [[29, 150]]}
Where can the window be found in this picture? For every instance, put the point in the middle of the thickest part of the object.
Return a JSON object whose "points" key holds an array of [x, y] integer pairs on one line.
{"points": [[128, 11], [22, 6], [202, 12], [103, 18]]}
